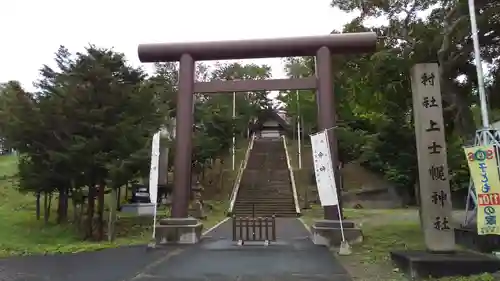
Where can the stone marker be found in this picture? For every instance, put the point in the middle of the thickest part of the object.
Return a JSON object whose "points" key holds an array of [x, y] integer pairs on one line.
{"points": [[435, 196], [198, 201], [440, 258]]}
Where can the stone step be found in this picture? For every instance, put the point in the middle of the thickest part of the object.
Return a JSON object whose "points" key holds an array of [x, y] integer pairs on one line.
{"points": [[265, 204], [271, 204], [270, 195], [264, 199], [264, 175], [258, 166], [276, 151], [269, 210], [265, 210], [254, 200], [269, 198], [264, 160], [264, 156], [263, 179], [267, 163], [277, 186], [266, 185], [265, 214], [258, 212], [246, 196], [277, 201], [265, 193], [275, 210], [263, 185], [279, 160], [277, 182], [278, 215], [264, 207], [268, 148], [266, 189]]}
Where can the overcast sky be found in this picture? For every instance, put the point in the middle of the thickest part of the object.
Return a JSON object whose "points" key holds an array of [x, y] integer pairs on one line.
{"points": [[32, 30]]}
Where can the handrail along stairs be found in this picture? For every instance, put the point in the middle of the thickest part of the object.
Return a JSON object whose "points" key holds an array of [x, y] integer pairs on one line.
{"points": [[236, 185], [292, 178]]}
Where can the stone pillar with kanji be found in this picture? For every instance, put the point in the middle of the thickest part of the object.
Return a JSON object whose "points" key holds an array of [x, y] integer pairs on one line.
{"points": [[435, 196]]}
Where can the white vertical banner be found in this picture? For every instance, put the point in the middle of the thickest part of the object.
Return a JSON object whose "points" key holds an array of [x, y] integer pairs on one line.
{"points": [[323, 169], [153, 172], [153, 175]]}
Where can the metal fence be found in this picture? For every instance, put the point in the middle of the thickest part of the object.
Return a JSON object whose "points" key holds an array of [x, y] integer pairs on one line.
{"points": [[254, 229]]}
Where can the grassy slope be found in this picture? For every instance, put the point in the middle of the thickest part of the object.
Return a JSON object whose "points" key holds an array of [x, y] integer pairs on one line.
{"points": [[352, 179], [222, 183], [21, 233]]}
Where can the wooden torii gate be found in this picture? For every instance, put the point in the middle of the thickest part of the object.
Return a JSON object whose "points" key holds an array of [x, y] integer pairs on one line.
{"points": [[322, 47]]}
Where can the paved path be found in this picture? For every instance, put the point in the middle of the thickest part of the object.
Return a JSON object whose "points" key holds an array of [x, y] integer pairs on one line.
{"points": [[293, 257], [106, 265]]}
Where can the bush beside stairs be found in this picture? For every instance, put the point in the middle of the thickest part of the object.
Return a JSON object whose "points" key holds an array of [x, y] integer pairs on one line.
{"points": [[265, 187]]}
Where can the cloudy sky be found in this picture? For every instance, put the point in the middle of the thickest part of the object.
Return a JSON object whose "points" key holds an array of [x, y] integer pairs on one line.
{"points": [[32, 30]]}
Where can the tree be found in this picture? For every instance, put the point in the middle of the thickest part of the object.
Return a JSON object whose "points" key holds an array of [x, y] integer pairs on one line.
{"points": [[373, 92], [89, 126]]}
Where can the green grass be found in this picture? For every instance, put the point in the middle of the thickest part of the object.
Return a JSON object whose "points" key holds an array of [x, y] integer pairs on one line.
{"points": [[384, 231], [22, 234], [293, 150]]}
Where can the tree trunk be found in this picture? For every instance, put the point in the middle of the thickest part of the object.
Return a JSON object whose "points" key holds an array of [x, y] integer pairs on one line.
{"points": [[37, 195], [62, 206], [464, 120], [90, 212], [79, 213], [50, 205], [76, 212], [126, 192], [219, 178], [101, 212], [112, 213], [119, 198], [45, 207], [417, 194]]}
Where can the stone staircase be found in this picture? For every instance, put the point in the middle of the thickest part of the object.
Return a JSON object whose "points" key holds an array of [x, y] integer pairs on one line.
{"points": [[265, 187]]}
